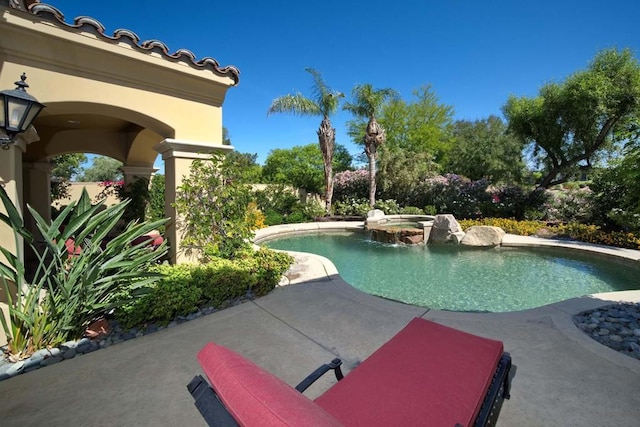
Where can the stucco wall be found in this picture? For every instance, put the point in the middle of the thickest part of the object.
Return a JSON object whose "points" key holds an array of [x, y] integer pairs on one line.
{"points": [[93, 188]]}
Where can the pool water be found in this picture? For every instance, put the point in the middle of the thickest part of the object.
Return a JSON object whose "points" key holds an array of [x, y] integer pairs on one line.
{"points": [[463, 279]]}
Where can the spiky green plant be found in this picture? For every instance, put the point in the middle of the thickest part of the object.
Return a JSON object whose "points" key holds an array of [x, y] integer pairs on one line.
{"points": [[66, 291]]}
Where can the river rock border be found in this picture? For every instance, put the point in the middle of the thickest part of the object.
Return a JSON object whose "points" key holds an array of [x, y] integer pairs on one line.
{"points": [[617, 326]]}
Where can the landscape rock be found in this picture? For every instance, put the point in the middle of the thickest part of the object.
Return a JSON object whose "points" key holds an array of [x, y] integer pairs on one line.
{"points": [[483, 236], [457, 237], [443, 228], [619, 330], [375, 214]]}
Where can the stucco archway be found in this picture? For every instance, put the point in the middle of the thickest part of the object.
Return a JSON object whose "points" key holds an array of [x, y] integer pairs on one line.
{"points": [[106, 94]]}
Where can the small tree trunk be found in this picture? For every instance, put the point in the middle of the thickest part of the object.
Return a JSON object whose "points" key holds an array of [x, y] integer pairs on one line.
{"points": [[327, 140], [372, 179], [373, 138]]}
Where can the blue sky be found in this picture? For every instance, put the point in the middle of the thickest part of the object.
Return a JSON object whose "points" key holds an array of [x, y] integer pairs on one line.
{"points": [[474, 54]]}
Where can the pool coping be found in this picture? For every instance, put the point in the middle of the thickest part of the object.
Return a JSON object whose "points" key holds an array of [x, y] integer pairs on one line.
{"points": [[310, 267]]}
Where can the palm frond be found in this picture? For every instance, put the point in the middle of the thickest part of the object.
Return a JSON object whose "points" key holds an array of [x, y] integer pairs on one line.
{"points": [[327, 98], [367, 101], [296, 104]]}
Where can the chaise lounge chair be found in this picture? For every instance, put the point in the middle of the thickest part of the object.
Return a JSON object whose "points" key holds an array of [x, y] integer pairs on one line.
{"points": [[426, 375]]}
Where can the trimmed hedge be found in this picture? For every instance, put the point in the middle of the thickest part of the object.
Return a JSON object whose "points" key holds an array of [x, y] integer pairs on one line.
{"points": [[186, 287]]}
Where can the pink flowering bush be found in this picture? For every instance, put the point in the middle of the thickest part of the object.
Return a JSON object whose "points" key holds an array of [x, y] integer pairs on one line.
{"points": [[512, 201], [569, 205], [452, 194], [110, 188], [350, 185]]}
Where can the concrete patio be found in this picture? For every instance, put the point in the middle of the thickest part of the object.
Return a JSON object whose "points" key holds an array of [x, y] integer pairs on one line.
{"points": [[563, 377]]}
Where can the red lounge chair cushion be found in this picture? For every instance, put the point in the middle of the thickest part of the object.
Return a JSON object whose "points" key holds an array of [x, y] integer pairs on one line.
{"points": [[253, 396], [153, 238], [428, 374]]}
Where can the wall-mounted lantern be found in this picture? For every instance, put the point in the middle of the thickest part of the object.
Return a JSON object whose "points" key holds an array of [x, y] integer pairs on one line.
{"points": [[18, 110]]}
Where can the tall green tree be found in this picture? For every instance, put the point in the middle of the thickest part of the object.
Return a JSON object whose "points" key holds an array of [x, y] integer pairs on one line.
{"points": [[302, 166], [102, 169], [246, 165], [226, 138], [616, 192], [65, 168], [484, 149], [420, 125], [366, 105], [418, 140], [323, 102], [570, 125]]}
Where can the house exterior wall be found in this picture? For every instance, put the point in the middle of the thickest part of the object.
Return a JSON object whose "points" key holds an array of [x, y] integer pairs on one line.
{"points": [[138, 96]]}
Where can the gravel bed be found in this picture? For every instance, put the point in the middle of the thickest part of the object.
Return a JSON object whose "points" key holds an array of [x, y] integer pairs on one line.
{"points": [[617, 326]]}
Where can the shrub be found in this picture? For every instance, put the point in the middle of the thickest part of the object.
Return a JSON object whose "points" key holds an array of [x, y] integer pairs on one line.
{"points": [[351, 185], [279, 203], [296, 217], [571, 205], [616, 193], [174, 295], [313, 209], [575, 231], [512, 201], [453, 194], [430, 210], [222, 279], [278, 198], [185, 287], [269, 267], [593, 234], [273, 218], [254, 217], [355, 207], [411, 210], [155, 210], [625, 219], [220, 224], [389, 206], [511, 226]]}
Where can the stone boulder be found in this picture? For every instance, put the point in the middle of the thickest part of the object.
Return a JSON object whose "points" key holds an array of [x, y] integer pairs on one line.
{"points": [[394, 235], [457, 237], [483, 236], [375, 214], [444, 226]]}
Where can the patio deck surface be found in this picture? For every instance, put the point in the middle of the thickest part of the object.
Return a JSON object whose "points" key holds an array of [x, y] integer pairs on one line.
{"points": [[563, 377]]}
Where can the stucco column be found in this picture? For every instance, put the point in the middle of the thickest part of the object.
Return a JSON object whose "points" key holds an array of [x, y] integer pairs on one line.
{"points": [[37, 191], [178, 155], [131, 173], [11, 180]]}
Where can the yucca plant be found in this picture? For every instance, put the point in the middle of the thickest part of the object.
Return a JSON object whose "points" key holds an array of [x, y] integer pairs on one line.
{"points": [[68, 291]]}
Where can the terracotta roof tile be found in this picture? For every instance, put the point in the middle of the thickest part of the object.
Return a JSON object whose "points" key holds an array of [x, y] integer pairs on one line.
{"points": [[86, 23]]}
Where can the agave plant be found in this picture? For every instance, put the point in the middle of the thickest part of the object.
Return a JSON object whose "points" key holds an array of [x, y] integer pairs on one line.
{"points": [[69, 290]]}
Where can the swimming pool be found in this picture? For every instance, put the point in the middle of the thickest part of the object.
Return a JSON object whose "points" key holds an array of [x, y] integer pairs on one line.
{"points": [[461, 279]]}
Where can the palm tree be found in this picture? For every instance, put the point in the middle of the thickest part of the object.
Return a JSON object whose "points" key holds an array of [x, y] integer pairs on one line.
{"points": [[323, 102], [366, 104]]}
